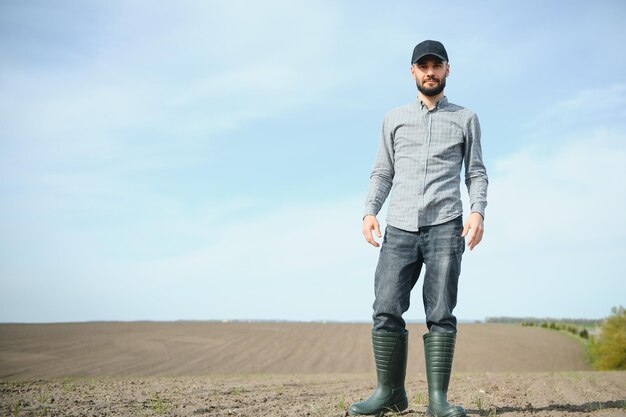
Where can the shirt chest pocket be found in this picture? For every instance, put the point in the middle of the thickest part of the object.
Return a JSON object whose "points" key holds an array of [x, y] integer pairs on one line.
{"points": [[409, 141], [447, 142]]}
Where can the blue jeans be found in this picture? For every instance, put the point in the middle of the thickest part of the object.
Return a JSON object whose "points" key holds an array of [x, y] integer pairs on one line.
{"points": [[440, 248]]}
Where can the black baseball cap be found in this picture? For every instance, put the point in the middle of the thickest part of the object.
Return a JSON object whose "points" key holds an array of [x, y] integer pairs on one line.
{"points": [[429, 47]]}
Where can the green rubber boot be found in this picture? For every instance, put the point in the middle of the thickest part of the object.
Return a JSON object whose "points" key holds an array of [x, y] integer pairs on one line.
{"points": [[439, 351], [390, 351]]}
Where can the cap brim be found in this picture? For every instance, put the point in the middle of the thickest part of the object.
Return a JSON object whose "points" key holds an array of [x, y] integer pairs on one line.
{"points": [[430, 54]]}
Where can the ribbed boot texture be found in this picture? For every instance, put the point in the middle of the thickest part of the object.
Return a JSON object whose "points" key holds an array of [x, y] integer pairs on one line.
{"points": [[390, 353], [439, 351]]}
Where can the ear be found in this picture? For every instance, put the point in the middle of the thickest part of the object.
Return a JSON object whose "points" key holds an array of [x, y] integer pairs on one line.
{"points": [[413, 73], [447, 69]]}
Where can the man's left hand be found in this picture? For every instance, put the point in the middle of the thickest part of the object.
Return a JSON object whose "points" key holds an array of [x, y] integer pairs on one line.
{"points": [[475, 224]]}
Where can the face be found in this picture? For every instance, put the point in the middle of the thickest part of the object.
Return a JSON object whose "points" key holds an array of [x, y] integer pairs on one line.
{"points": [[430, 75]]}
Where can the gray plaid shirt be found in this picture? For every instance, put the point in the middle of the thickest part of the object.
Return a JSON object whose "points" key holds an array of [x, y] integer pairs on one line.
{"points": [[419, 160]]}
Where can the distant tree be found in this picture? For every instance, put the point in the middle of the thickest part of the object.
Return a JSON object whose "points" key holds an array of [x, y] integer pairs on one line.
{"points": [[608, 348]]}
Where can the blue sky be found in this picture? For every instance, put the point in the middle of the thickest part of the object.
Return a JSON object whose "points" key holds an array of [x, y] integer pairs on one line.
{"points": [[209, 160]]}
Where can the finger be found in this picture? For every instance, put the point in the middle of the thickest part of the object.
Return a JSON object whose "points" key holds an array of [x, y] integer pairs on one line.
{"points": [[465, 229], [372, 241], [479, 236], [377, 229], [471, 238], [476, 238], [368, 235]]}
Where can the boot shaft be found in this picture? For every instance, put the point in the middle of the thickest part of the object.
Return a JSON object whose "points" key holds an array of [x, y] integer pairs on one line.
{"points": [[439, 352], [390, 355]]}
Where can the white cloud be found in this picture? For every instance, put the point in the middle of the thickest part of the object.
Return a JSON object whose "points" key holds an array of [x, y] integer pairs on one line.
{"points": [[555, 230], [297, 262], [90, 233], [554, 238], [554, 194], [152, 86], [303, 262], [583, 115], [151, 60], [142, 94], [611, 99]]}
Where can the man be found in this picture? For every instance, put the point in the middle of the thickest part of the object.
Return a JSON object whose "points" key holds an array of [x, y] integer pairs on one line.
{"points": [[422, 148]]}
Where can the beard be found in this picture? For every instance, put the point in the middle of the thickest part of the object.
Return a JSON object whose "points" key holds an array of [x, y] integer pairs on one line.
{"points": [[432, 91]]}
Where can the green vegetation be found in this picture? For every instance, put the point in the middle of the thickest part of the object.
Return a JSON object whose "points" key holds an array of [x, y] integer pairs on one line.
{"points": [[605, 339], [341, 404], [68, 386], [159, 405], [420, 398], [570, 328], [607, 350], [478, 401], [317, 411], [583, 323], [15, 408]]}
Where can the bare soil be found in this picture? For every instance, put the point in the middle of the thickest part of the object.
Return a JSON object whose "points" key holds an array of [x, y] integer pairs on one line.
{"points": [[284, 369]]}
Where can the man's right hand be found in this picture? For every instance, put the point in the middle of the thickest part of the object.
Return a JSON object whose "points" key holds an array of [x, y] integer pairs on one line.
{"points": [[371, 223]]}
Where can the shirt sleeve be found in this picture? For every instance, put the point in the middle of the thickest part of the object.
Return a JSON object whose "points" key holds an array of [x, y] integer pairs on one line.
{"points": [[475, 171], [381, 179]]}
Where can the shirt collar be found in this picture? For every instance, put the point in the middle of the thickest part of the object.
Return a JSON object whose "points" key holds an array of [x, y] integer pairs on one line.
{"points": [[443, 101]]}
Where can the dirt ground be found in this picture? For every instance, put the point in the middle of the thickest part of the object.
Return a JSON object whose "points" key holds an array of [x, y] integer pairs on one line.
{"points": [[571, 394], [284, 369], [201, 348]]}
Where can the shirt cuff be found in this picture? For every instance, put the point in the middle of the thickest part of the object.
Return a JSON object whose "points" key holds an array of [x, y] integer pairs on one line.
{"points": [[479, 208], [370, 211]]}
